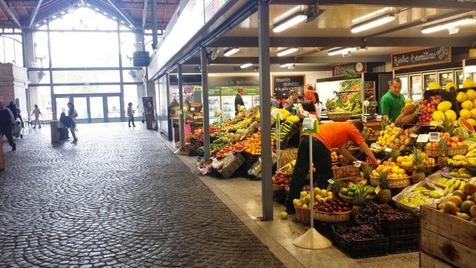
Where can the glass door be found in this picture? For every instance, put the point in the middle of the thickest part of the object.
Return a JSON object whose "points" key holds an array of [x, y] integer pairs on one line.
{"points": [[96, 109], [113, 108], [61, 106], [81, 106]]}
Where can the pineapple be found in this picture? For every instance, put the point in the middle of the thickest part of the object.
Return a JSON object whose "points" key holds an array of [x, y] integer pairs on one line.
{"points": [[366, 171], [385, 194], [395, 153], [443, 148], [418, 173], [447, 125]]}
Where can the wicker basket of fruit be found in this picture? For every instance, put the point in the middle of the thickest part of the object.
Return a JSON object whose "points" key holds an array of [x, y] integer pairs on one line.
{"points": [[433, 152], [302, 215], [339, 116], [332, 216], [345, 171], [393, 183], [462, 149], [332, 210]]}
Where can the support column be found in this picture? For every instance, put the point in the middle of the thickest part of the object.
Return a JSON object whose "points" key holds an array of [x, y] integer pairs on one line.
{"points": [[28, 61], [206, 110], [182, 116], [53, 99], [121, 75], [265, 110], [169, 120], [153, 19]]}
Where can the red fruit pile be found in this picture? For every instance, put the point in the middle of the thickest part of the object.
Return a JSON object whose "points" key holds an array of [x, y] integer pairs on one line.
{"points": [[427, 107], [333, 205], [281, 178]]}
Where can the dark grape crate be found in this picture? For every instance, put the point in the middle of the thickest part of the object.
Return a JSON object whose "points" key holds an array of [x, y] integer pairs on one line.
{"points": [[403, 244], [409, 227], [362, 249]]}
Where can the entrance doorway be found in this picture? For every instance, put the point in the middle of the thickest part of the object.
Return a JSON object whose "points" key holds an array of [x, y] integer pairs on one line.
{"points": [[97, 108]]}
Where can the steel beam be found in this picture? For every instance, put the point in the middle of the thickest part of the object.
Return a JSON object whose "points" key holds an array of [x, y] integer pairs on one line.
{"points": [[153, 19], [470, 5], [181, 115], [11, 13], [35, 12], [206, 110], [305, 59], [232, 41], [144, 13], [122, 14], [265, 110]]}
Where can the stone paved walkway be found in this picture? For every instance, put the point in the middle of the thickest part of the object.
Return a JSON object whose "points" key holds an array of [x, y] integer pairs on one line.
{"points": [[119, 198]]}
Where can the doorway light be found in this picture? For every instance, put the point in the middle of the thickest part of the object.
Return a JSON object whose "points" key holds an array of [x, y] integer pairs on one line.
{"points": [[448, 25], [342, 51], [287, 51], [231, 51], [372, 15], [379, 21], [246, 65], [289, 22]]}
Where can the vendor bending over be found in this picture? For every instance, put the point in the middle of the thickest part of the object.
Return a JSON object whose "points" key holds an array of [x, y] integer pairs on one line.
{"points": [[331, 135]]}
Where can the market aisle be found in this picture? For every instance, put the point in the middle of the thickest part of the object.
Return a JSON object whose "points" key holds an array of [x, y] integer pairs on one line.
{"points": [[119, 198]]}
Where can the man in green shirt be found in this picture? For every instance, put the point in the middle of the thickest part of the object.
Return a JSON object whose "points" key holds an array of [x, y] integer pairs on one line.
{"points": [[392, 102]]}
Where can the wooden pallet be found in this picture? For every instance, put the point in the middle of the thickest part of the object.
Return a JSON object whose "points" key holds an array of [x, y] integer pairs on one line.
{"points": [[446, 240]]}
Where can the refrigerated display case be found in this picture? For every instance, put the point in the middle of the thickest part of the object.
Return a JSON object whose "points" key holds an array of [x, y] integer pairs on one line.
{"points": [[459, 78], [428, 78], [445, 78], [416, 87], [405, 87]]}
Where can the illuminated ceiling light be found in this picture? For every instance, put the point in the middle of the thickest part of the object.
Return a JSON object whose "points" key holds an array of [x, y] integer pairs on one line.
{"points": [[88, 4], [373, 23], [37, 25], [62, 12], [372, 15], [122, 22], [342, 51], [97, 9], [289, 22], [246, 65], [448, 25], [287, 51], [105, 13], [287, 65], [231, 51], [288, 13], [53, 17]]}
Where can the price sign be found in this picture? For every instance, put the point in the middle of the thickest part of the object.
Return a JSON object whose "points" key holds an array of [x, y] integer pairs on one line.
{"points": [[434, 136], [423, 138], [310, 125]]}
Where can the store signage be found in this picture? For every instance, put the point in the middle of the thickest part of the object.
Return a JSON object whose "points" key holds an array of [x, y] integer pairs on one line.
{"points": [[283, 84], [340, 70], [233, 81], [422, 57]]}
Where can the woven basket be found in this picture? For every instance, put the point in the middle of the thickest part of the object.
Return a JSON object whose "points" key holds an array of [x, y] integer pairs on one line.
{"points": [[433, 152], [392, 183], [339, 116], [454, 151], [280, 187], [302, 216], [345, 171], [332, 217]]}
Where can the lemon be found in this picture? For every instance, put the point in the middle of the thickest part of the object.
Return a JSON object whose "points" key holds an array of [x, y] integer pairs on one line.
{"points": [[451, 115], [461, 97], [471, 93], [433, 123], [468, 83], [444, 106], [433, 86], [472, 122], [438, 115], [464, 113], [450, 86], [467, 104]]}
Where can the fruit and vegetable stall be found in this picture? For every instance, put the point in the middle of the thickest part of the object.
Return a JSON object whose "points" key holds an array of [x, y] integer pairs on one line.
{"points": [[427, 166]]}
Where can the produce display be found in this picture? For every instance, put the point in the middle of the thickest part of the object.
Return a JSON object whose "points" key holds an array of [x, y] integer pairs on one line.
{"points": [[461, 203], [253, 144], [427, 108], [285, 129], [421, 194], [393, 137]]}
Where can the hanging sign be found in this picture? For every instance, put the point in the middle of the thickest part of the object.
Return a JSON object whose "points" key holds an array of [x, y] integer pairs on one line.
{"points": [[282, 85], [341, 69], [421, 57]]}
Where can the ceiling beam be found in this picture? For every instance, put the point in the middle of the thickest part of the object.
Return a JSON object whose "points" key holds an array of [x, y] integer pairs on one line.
{"points": [[144, 13], [232, 41], [317, 60], [35, 12], [120, 12], [404, 3], [10, 12]]}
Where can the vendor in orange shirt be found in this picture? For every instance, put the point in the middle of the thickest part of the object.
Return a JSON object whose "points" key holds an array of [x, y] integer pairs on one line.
{"points": [[330, 136]]}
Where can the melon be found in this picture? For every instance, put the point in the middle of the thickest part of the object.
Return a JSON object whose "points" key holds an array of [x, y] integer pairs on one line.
{"points": [[467, 104], [444, 106], [465, 114], [468, 83], [461, 97], [438, 115], [433, 86], [451, 115], [450, 86], [471, 93]]}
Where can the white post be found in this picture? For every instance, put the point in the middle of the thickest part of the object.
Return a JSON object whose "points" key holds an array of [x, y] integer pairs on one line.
{"points": [[311, 179]]}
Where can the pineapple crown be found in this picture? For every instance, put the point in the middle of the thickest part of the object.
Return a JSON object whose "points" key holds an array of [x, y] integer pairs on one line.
{"points": [[335, 187], [383, 179], [442, 145], [395, 154], [447, 125], [360, 196], [417, 157], [366, 170]]}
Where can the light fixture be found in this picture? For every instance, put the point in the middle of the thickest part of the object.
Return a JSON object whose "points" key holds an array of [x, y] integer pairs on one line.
{"points": [[379, 21], [287, 51], [231, 51], [246, 65], [289, 22], [37, 25], [342, 51], [447, 25], [287, 65], [372, 15]]}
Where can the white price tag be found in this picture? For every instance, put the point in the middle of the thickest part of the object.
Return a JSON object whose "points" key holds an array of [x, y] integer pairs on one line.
{"points": [[413, 136], [388, 150], [331, 181], [364, 119], [423, 138], [309, 125], [434, 136]]}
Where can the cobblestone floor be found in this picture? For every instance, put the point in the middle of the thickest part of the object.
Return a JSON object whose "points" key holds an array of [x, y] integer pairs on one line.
{"points": [[119, 198]]}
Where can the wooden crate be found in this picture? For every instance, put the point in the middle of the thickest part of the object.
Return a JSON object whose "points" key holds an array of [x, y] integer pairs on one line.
{"points": [[447, 238], [427, 261]]}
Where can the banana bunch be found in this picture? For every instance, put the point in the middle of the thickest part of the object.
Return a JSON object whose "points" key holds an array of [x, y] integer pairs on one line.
{"points": [[452, 185], [288, 168], [460, 173], [471, 155], [285, 128], [243, 124], [458, 160], [423, 194]]}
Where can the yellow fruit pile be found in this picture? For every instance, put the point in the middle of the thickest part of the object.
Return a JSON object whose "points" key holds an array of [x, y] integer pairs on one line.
{"points": [[392, 169], [253, 144], [467, 102], [388, 136], [320, 195]]}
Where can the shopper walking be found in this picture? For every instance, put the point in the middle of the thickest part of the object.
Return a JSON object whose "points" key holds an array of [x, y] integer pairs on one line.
{"points": [[6, 124], [392, 102], [239, 103], [36, 112], [72, 115], [16, 112], [130, 114], [330, 136]]}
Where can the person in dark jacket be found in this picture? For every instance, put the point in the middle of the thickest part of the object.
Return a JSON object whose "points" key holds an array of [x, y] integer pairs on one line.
{"points": [[6, 124], [16, 112]]}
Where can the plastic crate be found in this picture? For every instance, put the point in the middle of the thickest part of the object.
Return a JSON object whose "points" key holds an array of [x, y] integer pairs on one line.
{"points": [[364, 248], [403, 243], [402, 228]]}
